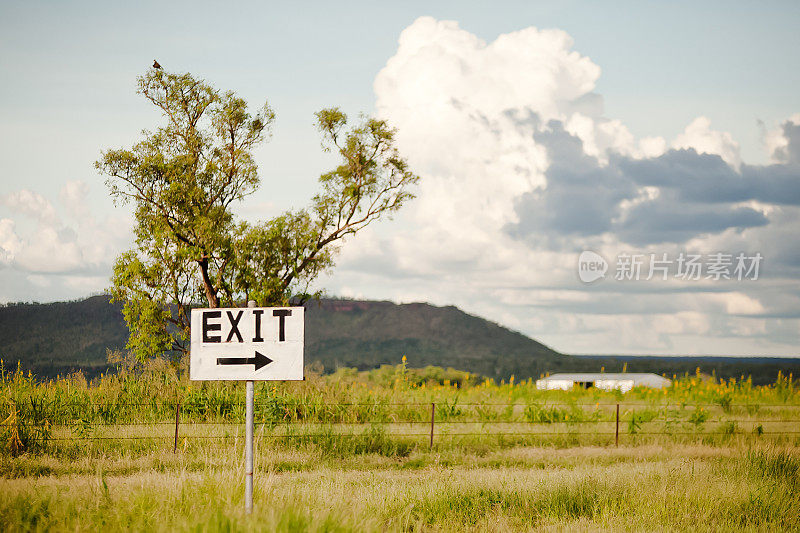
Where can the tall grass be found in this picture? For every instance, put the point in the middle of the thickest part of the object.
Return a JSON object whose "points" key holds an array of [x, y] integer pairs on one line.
{"points": [[72, 415]]}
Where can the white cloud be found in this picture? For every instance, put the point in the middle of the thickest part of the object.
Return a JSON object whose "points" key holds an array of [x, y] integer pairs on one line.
{"points": [[449, 64], [473, 119], [776, 141], [52, 258], [9, 241], [73, 196], [463, 118], [737, 303], [466, 112], [41, 281], [31, 204], [699, 135], [652, 146], [49, 250]]}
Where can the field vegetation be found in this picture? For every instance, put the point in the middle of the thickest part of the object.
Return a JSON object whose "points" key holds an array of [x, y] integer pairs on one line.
{"points": [[351, 451]]}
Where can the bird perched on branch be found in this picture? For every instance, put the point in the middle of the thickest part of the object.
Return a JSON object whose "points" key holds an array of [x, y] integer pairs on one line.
{"points": [[156, 65]]}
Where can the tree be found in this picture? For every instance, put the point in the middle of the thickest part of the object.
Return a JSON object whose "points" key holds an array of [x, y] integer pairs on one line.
{"points": [[183, 179]]}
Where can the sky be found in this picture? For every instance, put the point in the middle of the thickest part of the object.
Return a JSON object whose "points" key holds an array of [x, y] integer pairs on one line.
{"points": [[607, 179]]}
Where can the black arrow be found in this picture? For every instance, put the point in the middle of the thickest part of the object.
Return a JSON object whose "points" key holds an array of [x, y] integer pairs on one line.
{"points": [[259, 360]]}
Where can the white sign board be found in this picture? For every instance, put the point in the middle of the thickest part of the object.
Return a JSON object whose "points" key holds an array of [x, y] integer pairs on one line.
{"points": [[247, 344]]}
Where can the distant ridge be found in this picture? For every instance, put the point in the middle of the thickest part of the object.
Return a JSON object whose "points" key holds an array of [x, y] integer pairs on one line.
{"points": [[57, 338], [367, 334]]}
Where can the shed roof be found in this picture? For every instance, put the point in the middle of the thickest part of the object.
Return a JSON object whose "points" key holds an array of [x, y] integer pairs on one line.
{"points": [[594, 376]]}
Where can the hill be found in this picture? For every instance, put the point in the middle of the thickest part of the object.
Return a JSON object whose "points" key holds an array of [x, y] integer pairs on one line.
{"points": [[365, 335], [57, 338]]}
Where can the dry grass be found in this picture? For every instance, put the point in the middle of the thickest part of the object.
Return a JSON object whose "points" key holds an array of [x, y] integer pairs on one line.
{"points": [[673, 487]]}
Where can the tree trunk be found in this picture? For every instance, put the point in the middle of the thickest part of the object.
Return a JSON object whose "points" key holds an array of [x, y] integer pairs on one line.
{"points": [[211, 293]]}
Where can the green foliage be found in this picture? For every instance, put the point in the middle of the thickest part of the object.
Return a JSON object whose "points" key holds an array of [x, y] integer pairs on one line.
{"points": [[183, 179], [552, 414], [466, 508], [724, 400], [544, 414], [448, 409], [212, 403], [487, 413], [639, 418], [373, 440], [698, 417], [785, 386], [775, 464], [23, 431]]}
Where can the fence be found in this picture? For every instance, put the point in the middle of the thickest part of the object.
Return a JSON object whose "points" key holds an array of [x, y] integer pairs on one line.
{"points": [[424, 423]]}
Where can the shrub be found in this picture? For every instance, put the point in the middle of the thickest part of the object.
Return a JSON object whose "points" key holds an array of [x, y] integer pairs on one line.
{"points": [[23, 431], [698, 417]]}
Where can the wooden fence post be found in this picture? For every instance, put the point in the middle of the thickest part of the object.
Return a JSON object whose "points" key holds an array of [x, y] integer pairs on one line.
{"points": [[433, 414], [616, 432], [177, 422]]}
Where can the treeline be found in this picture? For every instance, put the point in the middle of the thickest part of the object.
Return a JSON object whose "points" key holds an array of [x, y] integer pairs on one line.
{"points": [[59, 338]]}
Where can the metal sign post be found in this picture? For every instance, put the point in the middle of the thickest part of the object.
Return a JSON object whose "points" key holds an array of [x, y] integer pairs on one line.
{"points": [[248, 450], [252, 344], [248, 439]]}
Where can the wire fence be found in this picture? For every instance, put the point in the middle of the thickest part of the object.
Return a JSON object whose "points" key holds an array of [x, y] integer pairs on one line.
{"points": [[432, 422]]}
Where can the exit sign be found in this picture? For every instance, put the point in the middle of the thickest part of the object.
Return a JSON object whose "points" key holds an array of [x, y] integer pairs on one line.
{"points": [[247, 344]]}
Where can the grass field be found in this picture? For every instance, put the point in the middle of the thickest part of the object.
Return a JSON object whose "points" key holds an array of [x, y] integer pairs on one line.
{"points": [[649, 487], [351, 452]]}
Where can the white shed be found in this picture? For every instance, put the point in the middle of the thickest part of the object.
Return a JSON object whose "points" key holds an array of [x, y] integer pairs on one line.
{"points": [[606, 381]]}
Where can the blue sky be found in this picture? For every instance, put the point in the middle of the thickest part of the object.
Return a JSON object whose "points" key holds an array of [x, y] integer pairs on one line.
{"points": [[653, 69]]}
